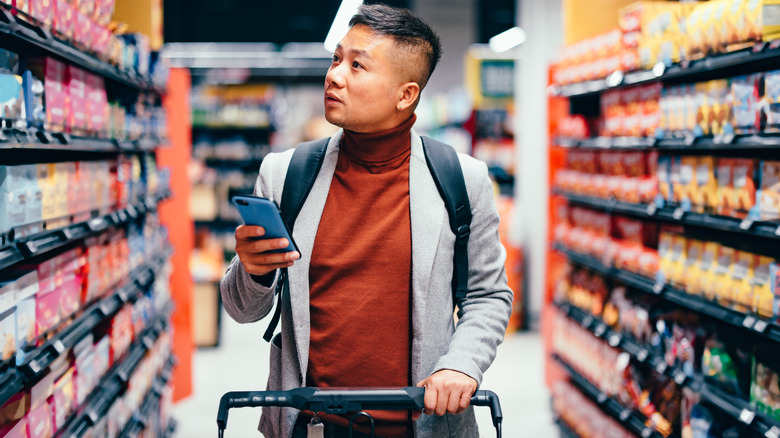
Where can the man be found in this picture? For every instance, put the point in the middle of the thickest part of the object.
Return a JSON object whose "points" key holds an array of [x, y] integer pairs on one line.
{"points": [[370, 295]]}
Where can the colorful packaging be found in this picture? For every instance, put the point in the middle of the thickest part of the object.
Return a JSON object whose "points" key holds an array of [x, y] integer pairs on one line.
{"points": [[765, 384], [693, 270], [78, 100], [678, 258], [664, 178], [43, 10], [771, 101], [56, 89], [725, 186], [703, 114], [769, 195], [686, 190], [650, 119], [707, 182], [723, 273], [676, 178], [64, 18], [7, 332], [708, 266], [744, 181], [744, 95], [741, 291], [614, 112], [763, 282]]}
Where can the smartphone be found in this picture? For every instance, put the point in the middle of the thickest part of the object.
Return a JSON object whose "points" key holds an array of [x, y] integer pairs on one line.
{"points": [[263, 212]]}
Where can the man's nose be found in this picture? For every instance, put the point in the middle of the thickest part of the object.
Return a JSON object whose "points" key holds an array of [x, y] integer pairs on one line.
{"points": [[335, 76]]}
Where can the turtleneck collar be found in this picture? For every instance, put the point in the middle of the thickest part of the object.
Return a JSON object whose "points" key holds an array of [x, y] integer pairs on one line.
{"points": [[381, 146]]}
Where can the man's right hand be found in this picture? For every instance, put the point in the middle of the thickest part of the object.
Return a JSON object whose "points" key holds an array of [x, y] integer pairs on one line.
{"points": [[252, 250]]}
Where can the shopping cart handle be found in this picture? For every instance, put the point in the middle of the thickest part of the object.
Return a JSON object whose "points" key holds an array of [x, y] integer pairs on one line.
{"points": [[489, 398], [342, 401]]}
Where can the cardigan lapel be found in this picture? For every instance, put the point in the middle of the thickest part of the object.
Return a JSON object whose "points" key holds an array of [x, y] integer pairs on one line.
{"points": [[305, 231], [427, 212]]}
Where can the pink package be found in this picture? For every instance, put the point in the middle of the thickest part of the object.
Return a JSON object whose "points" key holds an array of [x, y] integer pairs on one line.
{"points": [[101, 39], [70, 295], [64, 18], [39, 422], [104, 10], [97, 104], [55, 79], [15, 430], [47, 311], [43, 10], [77, 89]]}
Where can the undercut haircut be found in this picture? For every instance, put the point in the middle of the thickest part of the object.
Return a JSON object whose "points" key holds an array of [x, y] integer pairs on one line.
{"points": [[407, 30]]}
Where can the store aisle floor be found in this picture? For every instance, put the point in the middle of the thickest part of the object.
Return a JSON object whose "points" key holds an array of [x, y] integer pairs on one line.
{"points": [[241, 363]]}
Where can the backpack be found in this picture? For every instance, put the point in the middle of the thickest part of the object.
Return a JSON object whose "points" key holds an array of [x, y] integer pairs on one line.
{"points": [[445, 168]]}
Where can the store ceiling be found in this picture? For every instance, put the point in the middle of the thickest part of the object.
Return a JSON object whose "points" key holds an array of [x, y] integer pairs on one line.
{"points": [[252, 20]]}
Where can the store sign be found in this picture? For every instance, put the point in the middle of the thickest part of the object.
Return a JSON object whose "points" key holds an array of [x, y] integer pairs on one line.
{"points": [[498, 78]]}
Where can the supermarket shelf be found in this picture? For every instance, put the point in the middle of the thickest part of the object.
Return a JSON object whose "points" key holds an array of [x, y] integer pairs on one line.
{"points": [[115, 381], [36, 139], [633, 421], [739, 410], [32, 246], [37, 362], [746, 142], [747, 323], [700, 220], [761, 57], [151, 402], [23, 37]]}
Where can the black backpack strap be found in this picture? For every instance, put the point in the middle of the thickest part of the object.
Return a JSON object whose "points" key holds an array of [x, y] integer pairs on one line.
{"points": [[305, 164], [445, 168]]}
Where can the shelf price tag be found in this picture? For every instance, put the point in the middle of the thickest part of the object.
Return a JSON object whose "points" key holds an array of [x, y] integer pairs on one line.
{"points": [[774, 432], [749, 322], [658, 287], [661, 367], [651, 209], [760, 326], [624, 414], [600, 330], [747, 416], [746, 224], [642, 355], [614, 340], [601, 398], [659, 69], [679, 377], [678, 214], [587, 321], [647, 432]]}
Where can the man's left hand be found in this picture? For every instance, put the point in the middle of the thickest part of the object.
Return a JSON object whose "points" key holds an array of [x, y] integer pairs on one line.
{"points": [[447, 392]]}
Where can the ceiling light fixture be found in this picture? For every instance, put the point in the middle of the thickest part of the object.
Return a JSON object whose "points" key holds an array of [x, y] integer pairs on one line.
{"points": [[340, 24], [507, 39]]}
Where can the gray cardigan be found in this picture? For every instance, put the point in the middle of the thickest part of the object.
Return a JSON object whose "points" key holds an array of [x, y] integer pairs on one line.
{"points": [[438, 343]]}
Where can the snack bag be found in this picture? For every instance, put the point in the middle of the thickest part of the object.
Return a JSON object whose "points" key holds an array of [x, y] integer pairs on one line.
{"points": [[676, 178], [763, 281], [686, 191], [678, 257], [725, 186], [770, 105], [735, 22], [693, 260], [744, 181], [702, 108], [707, 183], [769, 195], [706, 282], [723, 275], [633, 112], [721, 112], [741, 298], [744, 95], [664, 178], [765, 388], [665, 264], [691, 108], [650, 118]]}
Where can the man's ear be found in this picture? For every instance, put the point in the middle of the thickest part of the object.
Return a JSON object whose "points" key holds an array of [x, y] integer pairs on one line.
{"points": [[410, 92]]}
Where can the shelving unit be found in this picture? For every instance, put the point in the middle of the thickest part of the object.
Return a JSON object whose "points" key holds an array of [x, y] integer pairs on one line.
{"points": [[738, 410], [748, 235], [134, 212]]}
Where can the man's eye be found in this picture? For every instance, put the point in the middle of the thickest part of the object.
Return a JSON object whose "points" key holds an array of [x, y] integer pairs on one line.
{"points": [[355, 64], [335, 58]]}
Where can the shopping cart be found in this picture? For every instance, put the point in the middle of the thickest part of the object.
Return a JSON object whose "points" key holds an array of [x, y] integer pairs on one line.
{"points": [[341, 402]]}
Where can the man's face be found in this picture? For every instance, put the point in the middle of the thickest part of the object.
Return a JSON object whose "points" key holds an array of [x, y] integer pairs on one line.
{"points": [[363, 84]]}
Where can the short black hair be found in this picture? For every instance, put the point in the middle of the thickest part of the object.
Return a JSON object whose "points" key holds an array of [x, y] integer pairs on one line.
{"points": [[405, 28]]}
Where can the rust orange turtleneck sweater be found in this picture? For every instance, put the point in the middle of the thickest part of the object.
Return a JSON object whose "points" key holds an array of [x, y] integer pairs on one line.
{"points": [[360, 275]]}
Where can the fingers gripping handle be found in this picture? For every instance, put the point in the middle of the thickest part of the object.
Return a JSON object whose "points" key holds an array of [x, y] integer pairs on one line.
{"points": [[490, 399]]}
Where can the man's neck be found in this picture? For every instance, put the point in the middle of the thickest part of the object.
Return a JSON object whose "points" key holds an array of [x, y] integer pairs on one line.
{"points": [[379, 146]]}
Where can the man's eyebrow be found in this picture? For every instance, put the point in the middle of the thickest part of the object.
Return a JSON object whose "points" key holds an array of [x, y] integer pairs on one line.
{"points": [[359, 52]]}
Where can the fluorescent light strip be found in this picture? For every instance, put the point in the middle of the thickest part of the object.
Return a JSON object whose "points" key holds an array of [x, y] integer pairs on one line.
{"points": [[507, 40], [340, 24]]}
